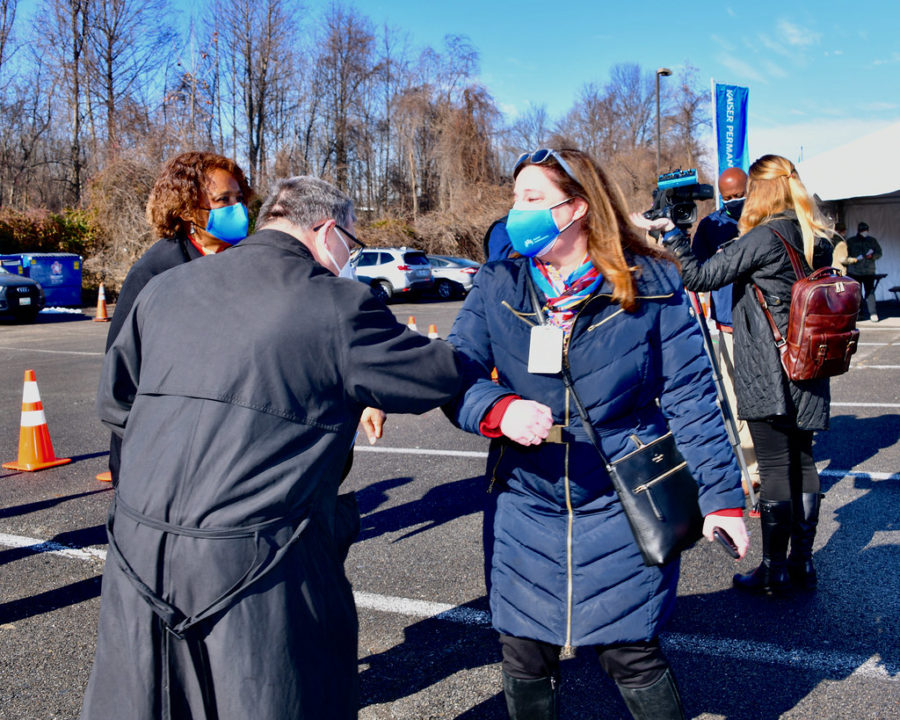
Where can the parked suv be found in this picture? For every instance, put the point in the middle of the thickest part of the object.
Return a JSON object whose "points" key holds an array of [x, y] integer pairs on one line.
{"points": [[20, 297], [391, 271]]}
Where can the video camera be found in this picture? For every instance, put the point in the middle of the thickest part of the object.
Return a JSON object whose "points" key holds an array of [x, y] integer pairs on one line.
{"points": [[675, 197]]}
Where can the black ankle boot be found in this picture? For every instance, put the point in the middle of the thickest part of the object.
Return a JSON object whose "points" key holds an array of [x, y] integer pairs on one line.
{"points": [[776, 519], [530, 699], [799, 564], [659, 701]]}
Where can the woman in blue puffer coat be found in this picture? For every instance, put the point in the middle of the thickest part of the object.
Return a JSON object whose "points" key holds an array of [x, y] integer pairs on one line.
{"points": [[563, 567]]}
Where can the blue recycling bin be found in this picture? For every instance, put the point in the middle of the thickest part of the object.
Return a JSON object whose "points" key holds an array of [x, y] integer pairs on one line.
{"points": [[12, 264], [59, 275]]}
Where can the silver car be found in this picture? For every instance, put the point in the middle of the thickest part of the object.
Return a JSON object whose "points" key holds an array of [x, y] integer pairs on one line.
{"points": [[393, 271], [452, 275]]}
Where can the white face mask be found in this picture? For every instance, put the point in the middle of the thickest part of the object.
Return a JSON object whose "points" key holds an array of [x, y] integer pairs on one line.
{"points": [[865, 233], [346, 270]]}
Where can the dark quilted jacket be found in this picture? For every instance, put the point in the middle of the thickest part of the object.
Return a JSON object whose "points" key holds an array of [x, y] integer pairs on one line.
{"points": [[562, 562], [761, 385]]}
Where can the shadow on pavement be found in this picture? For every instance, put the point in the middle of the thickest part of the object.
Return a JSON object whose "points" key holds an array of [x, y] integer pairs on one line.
{"points": [[71, 594], [852, 440], [854, 615], [44, 504], [439, 505]]}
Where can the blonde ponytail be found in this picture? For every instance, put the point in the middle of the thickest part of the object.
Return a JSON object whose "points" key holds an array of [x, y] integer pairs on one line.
{"points": [[773, 187]]}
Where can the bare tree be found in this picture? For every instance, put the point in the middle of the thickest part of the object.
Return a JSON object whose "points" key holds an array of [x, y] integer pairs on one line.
{"points": [[259, 37], [7, 19], [688, 114], [530, 131], [345, 64], [60, 32]]}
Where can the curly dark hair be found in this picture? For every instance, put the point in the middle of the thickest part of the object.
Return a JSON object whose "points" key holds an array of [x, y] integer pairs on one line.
{"points": [[176, 191]]}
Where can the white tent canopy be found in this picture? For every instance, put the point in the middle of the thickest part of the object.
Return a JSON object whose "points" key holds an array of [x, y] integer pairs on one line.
{"points": [[867, 166], [860, 182]]}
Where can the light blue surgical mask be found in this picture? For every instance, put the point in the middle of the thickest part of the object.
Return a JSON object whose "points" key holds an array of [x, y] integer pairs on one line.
{"points": [[229, 224], [534, 232]]}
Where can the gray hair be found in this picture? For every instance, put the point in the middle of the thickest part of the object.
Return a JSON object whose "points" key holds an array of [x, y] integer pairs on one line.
{"points": [[304, 200]]}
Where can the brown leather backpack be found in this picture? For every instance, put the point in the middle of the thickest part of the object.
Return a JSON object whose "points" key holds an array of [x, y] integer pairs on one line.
{"points": [[821, 333]]}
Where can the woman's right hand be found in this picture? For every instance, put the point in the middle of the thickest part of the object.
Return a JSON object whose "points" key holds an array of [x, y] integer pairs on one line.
{"points": [[526, 422]]}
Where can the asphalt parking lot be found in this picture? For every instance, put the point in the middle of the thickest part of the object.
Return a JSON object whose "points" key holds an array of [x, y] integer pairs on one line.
{"points": [[425, 648]]}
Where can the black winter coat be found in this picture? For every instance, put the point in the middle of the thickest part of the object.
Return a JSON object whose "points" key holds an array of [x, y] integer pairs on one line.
{"points": [[238, 384], [163, 255], [762, 387]]}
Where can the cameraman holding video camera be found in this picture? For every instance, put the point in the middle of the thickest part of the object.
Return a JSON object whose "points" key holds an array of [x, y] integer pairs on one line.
{"points": [[782, 414], [715, 230]]}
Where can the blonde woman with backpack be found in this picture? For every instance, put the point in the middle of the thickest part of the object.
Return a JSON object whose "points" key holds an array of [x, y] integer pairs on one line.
{"points": [[782, 414]]}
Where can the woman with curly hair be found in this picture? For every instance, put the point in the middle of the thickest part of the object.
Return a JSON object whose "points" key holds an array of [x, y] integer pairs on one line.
{"points": [[197, 207]]}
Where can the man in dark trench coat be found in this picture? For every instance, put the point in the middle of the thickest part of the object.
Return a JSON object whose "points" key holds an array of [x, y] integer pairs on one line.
{"points": [[237, 384]]}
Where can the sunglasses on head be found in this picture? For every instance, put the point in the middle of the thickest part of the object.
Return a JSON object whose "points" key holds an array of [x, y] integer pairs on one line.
{"points": [[541, 156]]}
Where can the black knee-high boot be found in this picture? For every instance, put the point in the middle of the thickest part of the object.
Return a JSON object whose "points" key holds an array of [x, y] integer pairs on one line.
{"points": [[776, 520], [659, 701], [800, 565], [530, 699]]}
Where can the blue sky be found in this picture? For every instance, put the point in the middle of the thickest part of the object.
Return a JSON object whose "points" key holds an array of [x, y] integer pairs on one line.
{"points": [[820, 73]]}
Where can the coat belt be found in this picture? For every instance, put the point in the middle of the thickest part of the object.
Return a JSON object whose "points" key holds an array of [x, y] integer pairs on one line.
{"points": [[176, 626]]}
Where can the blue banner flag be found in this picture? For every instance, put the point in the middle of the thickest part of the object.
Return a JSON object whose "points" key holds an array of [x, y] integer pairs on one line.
{"points": [[731, 126]]}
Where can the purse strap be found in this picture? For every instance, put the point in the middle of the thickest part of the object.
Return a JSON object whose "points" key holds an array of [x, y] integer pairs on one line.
{"points": [[567, 379]]}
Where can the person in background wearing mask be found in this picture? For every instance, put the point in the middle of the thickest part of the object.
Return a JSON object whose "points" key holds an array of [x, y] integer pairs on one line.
{"points": [[563, 567], [241, 379], [713, 231], [864, 250], [782, 414], [197, 207]]}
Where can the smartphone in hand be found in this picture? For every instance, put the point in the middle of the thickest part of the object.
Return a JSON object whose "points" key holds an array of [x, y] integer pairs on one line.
{"points": [[725, 540]]}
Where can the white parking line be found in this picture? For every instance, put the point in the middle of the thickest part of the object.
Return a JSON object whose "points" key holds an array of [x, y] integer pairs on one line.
{"points": [[831, 663], [41, 546], [864, 405], [421, 451], [473, 454], [859, 474], [875, 367], [51, 352]]}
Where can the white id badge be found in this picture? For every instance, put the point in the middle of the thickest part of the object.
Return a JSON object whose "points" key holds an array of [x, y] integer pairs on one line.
{"points": [[545, 350]]}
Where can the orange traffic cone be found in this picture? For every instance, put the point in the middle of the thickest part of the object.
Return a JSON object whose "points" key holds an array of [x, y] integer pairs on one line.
{"points": [[35, 448], [411, 323], [101, 306], [432, 332], [105, 476]]}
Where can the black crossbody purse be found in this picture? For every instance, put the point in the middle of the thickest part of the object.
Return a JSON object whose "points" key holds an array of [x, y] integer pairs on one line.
{"points": [[656, 489]]}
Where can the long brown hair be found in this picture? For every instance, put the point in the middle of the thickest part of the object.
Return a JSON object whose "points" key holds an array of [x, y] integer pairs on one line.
{"points": [[609, 232], [774, 186], [176, 192]]}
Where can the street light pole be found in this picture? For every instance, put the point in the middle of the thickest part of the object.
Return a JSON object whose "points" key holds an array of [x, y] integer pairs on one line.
{"points": [[664, 72]]}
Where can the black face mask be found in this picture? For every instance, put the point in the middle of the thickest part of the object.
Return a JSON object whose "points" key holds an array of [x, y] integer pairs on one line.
{"points": [[734, 208]]}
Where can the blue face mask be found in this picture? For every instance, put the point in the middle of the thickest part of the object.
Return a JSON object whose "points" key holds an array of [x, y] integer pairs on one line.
{"points": [[228, 224], [533, 232]]}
